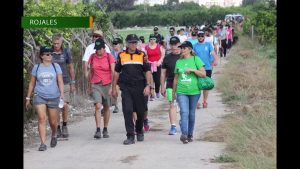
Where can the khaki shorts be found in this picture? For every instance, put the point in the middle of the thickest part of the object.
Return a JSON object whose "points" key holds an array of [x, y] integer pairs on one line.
{"points": [[100, 94], [67, 93]]}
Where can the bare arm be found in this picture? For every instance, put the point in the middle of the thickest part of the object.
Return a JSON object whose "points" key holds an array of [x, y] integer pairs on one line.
{"points": [[72, 76], [30, 89], [85, 69], [162, 56], [114, 84], [174, 86], [162, 82], [147, 88], [216, 59], [61, 85]]}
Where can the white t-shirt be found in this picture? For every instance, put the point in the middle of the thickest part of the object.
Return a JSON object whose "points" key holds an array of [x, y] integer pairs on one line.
{"points": [[182, 38], [90, 50]]}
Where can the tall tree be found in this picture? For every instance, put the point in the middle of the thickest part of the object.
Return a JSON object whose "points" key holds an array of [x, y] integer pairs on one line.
{"points": [[173, 2]]}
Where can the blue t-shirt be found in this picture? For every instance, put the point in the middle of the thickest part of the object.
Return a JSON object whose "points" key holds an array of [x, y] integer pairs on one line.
{"points": [[193, 41], [203, 50], [46, 84]]}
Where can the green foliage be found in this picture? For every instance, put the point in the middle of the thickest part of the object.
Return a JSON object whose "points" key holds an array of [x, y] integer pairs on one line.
{"points": [[264, 22]]}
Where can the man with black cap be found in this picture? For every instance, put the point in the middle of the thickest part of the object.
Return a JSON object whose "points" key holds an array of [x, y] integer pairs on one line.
{"points": [[158, 36], [167, 73], [207, 54], [134, 74]]}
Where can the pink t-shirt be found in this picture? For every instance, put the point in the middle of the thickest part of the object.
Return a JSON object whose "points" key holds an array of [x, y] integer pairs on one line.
{"points": [[100, 67], [229, 34]]}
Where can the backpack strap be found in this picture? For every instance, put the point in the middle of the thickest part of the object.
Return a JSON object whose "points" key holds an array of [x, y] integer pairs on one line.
{"points": [[54, 67], [37, 69]]}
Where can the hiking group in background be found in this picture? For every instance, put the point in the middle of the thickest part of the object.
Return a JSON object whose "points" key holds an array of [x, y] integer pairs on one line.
{"points": [[141, 71]]}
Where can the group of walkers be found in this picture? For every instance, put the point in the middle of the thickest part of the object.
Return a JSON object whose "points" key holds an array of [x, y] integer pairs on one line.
{"points": [[137, 71]]}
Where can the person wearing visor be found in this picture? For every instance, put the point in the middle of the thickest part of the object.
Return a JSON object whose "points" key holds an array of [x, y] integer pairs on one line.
{"points": [[133, 74], [207, 54], [167, 76], [101, 66], [185, 89], [47, 83]]}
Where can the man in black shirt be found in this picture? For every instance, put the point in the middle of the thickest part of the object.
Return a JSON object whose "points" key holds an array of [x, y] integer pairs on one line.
{"points": [[158, 36], [167, 74]]}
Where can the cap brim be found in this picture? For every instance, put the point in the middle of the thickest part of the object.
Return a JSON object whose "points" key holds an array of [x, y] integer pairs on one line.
{"points": [[131, 41]]}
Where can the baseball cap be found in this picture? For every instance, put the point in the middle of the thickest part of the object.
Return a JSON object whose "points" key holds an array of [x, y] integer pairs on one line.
{"points": [[174, 40], [45, 49], [155, 28], [152, 36], [98, 32], [200, 33], [142, 38], [186, 44], [132, 38], [117, 41], [194, 33], [99, 43]]}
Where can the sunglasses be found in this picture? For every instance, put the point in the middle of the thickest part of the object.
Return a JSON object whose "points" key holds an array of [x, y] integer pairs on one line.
{"points": [[201, 36], [152, 38], [133, 42], [171, 31], [48, 54]]}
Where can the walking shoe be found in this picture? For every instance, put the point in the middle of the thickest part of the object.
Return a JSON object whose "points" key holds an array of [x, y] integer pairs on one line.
{"points": [[116, 110], [140, 137], [105, 134], [184, 139], [190, 138], [129, 140], [59, 133], [53, 142], [97, 135], [173, 131], [43, 147], [64, 132], [157, 95], [151, 98], [204, 104]]}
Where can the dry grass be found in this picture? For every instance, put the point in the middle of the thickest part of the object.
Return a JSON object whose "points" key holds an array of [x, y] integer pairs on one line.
{"points": [[248, 84]]}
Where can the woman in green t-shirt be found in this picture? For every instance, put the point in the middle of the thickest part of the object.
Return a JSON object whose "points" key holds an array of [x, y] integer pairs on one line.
{"points": [[186, 88]]}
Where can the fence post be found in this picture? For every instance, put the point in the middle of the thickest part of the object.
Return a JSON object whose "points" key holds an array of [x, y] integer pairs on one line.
{"points": [[252, 32]]}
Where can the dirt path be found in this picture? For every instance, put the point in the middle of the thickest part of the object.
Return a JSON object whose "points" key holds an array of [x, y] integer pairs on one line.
{"points": [[159, 150]]}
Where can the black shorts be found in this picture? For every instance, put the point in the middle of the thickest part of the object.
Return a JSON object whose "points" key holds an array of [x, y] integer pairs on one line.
{"points": [[208, 73]]}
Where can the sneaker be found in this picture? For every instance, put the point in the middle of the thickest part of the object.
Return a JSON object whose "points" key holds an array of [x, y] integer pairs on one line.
{"points": [[53, 142], [116, 110], [204, 104], [184, 139], [59, 133], [140, 137], [64, 132], [151, 98], [97, 135], [157, 95], [146, 127], [43, 147], [173, 131], [129, 140], [105, 134], [190, 138]]}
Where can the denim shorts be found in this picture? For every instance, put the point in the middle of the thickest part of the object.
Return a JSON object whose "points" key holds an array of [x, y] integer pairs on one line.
{"points": [[50, 103]]}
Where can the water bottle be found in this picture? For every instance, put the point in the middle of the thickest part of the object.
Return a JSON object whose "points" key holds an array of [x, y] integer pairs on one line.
{"points": [[61, 103]]}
